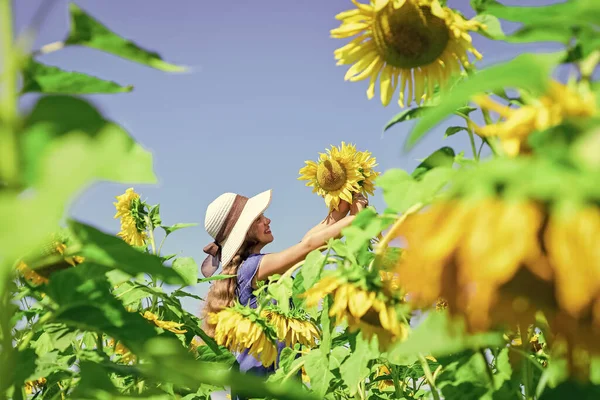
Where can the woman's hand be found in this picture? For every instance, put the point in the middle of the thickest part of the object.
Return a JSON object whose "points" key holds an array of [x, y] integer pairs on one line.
{"points": [[359, 203]]}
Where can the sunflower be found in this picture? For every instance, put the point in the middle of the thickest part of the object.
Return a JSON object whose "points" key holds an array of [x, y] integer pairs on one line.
{"points": [[166, 325], [557, 105], [514, 258], [362, 309], [292, 328], [240, 328], [366, 165], [415, 43], [34, 386], [131, 211], [340, 173], [57, 245], [335, 176]]}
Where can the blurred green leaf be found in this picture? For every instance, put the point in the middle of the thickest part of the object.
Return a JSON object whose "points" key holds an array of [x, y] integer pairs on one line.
{"points": [[187, 268], [41, 78], [438, 335], [170, 229], [87, 31], [559, 13], [401, 191], [508, 74], [493, 27], [354, 369], [443, 157], [281, 291], [84, 299], [111, 251], [169, 361], [572, 390], [407, 115], [326, 326], [452, 130]]}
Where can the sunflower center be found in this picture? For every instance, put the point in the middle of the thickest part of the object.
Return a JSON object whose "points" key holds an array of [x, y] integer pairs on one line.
{"points": [[410, 36], [331, 175]]}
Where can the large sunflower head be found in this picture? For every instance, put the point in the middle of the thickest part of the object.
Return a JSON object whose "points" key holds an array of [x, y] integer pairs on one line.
{"points": [[418, 44], [132, 213], [292, 327], [366, 309], [558, 104], [335, 176], [240, 328]]}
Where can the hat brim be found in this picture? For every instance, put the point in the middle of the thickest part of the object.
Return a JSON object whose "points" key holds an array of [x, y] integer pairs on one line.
{"points": [[254, 207]]}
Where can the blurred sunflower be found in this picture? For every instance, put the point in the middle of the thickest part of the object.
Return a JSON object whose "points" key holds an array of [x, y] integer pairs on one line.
{"points": [[558, 104], [364, 310], [166, 325], [32, 387], [473, 253], [240, 328], [125, 355], [335, 176], [382, 371], [415, 43], [292, 328], [131, 211], [55, 246]]}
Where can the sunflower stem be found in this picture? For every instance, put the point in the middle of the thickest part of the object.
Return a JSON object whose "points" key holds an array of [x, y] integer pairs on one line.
{"points": [[8, 98], [394, 230], [473, 147], [429, 377], [397, 389]]}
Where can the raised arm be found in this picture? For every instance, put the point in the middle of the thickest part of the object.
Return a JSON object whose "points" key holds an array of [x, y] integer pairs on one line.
{"points": [[331, 218], [279, 263]]}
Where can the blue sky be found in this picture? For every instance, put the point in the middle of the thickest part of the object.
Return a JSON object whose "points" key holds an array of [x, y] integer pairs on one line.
{"points": [[263, 95]]}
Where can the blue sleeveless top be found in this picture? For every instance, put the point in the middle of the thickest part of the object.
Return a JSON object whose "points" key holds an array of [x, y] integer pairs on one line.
{"points": [[245, 274]]}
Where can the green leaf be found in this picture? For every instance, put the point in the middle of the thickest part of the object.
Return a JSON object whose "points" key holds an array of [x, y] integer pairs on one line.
{"points": [[170, 229], [84, 301], [572, 390], [508, 74], [407, 115], [316, 365], [465, 377], [215, 278], [452, 130], [171, 362], [281, 291], [112, 252], [337, 357], [87, 31], [187, 268], [325, 344], [78, 145], [154, 215], [574, 11], [443, 157], [401, 191], [41, 78], [312, 267], [354, 369], [493, 28], [438, 335]]}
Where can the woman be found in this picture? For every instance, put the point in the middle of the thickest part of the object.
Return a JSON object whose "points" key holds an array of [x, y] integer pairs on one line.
{"points": [[240, 231]]}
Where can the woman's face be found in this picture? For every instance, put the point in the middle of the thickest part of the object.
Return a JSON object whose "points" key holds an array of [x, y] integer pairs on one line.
{"points": [[261, 230]]}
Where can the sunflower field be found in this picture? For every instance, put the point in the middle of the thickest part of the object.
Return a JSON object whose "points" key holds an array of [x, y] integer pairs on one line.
{"points": [[480, 280]]}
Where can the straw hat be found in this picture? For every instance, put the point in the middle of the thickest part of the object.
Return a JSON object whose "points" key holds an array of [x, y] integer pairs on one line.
{"points": [[227, 221]]}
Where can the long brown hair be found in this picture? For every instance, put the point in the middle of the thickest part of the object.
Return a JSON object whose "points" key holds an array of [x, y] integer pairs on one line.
{"points": [[222, 292]]}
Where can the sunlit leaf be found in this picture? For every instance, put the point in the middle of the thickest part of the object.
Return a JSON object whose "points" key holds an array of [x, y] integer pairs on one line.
{"points": [[316, 364], [87, 31], [111, 251], [354, 369], [41, 78], [187, 268]]}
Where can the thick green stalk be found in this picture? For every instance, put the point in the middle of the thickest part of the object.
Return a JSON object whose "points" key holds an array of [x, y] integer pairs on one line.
{"points": [[8, 97]]}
